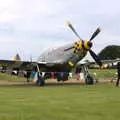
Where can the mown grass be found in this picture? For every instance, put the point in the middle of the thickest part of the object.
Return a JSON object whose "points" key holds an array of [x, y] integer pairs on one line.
{"points": [[9, 77], [59, 102], [100, 73], [104, 73]]}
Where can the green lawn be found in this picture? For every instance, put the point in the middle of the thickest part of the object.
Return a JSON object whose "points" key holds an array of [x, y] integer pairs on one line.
{"points": [[60, 102], [9, 77], [104, 73]]}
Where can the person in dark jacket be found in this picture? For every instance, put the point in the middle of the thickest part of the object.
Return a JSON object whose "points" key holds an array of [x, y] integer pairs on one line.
{"points": [[118, 72]]}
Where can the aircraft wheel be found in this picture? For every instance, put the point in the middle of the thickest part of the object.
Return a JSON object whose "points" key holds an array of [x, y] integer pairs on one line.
{"points": [[89, 80], [40, 81]]}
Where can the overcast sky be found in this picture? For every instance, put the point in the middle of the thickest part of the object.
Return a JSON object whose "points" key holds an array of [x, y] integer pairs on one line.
{"points": [[28, 27]]}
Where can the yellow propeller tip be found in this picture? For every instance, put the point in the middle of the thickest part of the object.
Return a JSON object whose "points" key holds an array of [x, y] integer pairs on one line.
{"points": [[68, 23], [100, 28]]}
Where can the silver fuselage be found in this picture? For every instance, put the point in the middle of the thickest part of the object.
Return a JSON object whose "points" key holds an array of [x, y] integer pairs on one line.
{"points": [[60, 56]]}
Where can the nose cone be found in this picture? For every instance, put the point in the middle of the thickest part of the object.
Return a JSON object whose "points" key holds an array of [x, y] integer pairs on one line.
{"points": [[89, 44]]}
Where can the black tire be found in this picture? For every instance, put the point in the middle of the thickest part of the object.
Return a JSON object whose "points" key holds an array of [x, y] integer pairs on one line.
{"points": [[89, 80], [40, 81]]}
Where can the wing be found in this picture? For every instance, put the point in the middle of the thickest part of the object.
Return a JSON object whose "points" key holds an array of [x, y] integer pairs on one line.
{"points": [[21, 65], [31, 66], [111, 61], [106, 63]]}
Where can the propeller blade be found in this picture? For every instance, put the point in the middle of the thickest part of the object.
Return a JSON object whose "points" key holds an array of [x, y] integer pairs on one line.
{"points": [[95, 33], [73, 29], [69, 48], [95, 57]]}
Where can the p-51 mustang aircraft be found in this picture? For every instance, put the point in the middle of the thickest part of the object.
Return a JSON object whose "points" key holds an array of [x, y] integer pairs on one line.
{"points": [[61, 59]]}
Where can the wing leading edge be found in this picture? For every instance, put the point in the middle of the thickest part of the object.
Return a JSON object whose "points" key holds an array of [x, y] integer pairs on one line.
{"points": [[22, 65], [31, 66]]}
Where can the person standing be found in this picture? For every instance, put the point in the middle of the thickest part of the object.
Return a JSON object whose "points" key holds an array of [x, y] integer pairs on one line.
{"points": [[118, 72]]}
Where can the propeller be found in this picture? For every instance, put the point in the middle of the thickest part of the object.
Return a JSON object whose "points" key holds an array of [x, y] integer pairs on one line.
{"points": [[95, 33], [95, 57], [73, 29], [92, 53]]}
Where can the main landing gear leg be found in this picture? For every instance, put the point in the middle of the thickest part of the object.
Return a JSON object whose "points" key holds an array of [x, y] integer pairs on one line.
{"points": [[40, 79]]}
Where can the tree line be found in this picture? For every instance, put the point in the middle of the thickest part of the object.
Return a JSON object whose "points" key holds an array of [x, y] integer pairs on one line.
{"points": [[110, 52]]}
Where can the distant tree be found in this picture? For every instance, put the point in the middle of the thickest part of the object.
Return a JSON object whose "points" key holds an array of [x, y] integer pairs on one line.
{"points": [[110, 52]]}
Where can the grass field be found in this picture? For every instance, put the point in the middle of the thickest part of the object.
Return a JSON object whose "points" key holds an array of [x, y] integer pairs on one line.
{"points": [[8, 77], [104, 73], [59, 102]]}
